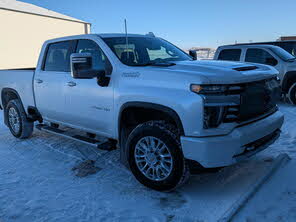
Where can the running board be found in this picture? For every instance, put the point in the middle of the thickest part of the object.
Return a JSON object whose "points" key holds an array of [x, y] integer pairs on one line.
{"points": [[107, 145]]}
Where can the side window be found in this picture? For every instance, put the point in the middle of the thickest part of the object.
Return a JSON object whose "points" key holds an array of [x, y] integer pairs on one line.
{"points": [[100, 61], [230, 54], [58, 57], [260, 56]]}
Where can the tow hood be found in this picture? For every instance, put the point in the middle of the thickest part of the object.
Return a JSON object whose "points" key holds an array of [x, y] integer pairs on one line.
{"points": [[224, 72]]}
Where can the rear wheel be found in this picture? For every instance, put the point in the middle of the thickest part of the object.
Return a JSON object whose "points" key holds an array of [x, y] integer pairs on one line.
{"points": [[18, 124], [155, 156], [292, 94]]}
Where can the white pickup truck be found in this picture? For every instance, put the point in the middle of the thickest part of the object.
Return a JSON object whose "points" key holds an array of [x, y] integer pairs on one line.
{"points": [[271, 55], [165, 112]]}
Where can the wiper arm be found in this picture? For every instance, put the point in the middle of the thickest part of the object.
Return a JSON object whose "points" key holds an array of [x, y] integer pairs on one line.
{"points": [[292, 59]]}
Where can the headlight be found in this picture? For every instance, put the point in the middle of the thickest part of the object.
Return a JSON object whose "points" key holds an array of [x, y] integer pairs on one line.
{"points": [[207, 89]]}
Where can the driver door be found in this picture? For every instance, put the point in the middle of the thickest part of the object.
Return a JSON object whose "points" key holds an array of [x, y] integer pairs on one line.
{"points": [[90, 105]]}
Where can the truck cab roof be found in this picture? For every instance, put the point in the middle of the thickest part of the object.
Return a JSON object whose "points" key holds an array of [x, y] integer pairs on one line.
{"points": [[100, 35], [238, 46]]}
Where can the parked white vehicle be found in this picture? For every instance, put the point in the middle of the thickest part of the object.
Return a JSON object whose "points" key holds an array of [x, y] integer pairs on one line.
{"points": [[271, 55], [167, 112]]}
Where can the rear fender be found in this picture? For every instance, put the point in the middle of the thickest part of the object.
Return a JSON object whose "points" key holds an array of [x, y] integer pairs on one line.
{"points": [[8, 94]]}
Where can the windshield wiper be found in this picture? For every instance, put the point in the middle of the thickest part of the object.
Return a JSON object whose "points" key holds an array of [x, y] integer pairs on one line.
{"points": [[291, 59], [164, 64]]}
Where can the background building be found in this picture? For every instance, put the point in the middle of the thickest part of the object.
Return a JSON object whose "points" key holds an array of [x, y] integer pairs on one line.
{"points": [[287, 38], [24, 28]]}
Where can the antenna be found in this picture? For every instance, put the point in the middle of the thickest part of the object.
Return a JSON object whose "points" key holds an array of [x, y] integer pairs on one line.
{"points": [[126, 38]]}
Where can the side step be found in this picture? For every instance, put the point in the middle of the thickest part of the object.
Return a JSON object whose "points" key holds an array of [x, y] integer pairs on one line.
{"points": [[107, 145]]}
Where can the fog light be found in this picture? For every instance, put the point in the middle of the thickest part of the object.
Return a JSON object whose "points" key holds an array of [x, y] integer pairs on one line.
{"points": [[213, 116]]}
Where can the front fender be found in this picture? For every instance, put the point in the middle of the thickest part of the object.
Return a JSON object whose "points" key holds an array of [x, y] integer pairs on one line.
{"points": [[185, 107], [291, 75]]}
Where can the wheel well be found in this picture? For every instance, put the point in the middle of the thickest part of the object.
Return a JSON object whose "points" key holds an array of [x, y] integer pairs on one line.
{"points": [[132, 116], [7, 95], [289, 80]]}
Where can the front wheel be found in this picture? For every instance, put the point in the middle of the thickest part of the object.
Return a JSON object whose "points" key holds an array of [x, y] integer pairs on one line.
{"points": [[18, 124], [292, 94], [155, 156]]}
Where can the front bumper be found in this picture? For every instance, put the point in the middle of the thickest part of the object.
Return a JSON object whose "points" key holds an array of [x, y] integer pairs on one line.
{"points": [[240, 144]]}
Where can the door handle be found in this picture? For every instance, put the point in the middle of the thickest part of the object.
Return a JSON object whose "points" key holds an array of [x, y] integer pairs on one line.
{"points": [[39, 81], [71, 84]]}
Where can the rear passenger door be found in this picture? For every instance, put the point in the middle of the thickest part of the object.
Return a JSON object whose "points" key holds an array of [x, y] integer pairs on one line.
{"points": [[230, 54], [50, 83]]}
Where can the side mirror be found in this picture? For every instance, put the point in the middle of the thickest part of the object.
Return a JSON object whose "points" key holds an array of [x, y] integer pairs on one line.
{"points": [[271, 61], [81, 66], [193, 54]]}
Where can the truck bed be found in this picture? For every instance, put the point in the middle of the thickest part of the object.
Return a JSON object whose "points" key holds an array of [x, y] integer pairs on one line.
{"points": [[21, 69], [20, 80]]}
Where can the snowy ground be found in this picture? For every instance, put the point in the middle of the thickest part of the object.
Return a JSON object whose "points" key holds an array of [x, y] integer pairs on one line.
{"points": [[276, 200], [37, 184]]}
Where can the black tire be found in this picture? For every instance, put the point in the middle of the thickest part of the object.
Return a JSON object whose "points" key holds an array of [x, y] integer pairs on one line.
{"points": [[171, 138], [25, 126], [292, 94]]}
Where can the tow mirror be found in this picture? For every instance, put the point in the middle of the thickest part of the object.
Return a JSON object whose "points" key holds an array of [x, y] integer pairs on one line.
{"points": [[82, 68], [193, 54], [271, 61]]}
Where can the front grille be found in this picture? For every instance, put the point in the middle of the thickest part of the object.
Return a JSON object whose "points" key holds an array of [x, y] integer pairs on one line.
{"points": [[256, 99]]}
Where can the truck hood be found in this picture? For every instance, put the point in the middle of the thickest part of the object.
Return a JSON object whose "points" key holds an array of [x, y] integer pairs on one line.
{"points": [[224, 72]]}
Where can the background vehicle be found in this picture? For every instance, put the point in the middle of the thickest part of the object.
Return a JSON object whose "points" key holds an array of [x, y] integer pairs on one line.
{"points": [[271, 55], [288, 45], [165, 111]]}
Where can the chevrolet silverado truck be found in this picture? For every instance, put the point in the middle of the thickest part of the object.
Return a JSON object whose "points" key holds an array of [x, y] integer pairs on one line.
{"points": [[166, 112], [271, 55]]}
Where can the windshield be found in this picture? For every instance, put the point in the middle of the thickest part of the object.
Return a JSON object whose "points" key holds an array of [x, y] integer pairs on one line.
{"points": [[289, 46], [283, 54], [142, 51]]}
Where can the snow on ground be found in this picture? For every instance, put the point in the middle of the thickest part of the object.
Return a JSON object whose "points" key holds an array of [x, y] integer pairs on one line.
{"points": [[287, 141], [276, 200], [37, 184]]}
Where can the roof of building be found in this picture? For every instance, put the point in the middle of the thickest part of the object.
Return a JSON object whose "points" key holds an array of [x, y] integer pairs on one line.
{"points": [[19, 6]]}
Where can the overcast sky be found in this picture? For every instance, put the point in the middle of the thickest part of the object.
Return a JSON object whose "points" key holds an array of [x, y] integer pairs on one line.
{"points": [[186, 23]]}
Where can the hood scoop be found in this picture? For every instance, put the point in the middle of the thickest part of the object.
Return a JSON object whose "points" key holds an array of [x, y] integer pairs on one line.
{"points": [[245, 68]]}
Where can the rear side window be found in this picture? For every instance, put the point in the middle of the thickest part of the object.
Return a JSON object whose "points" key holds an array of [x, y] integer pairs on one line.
{"points": [[230, 54], [58, 57], [260, 56]]}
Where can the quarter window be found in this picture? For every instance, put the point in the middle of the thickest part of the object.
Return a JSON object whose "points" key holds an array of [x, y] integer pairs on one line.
{"points": [[230, 54], [260, 56], [58, 57]]}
